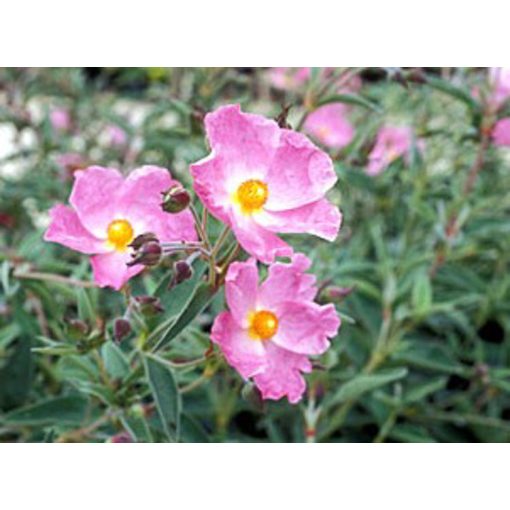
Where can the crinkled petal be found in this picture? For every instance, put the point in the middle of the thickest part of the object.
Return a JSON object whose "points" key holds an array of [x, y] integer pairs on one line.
{"points": [[241, 290], [246, 355], [319, 218], [283, 375], [300, 173], [139, 201], [304, 328], [245, 140], [259, 241], [501, 133], [110, 269], [94, 197], [287, 282], [66, 229]]}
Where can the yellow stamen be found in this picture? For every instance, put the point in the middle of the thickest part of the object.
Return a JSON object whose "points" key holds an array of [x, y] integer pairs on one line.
{"points": [[251, 195], [120, 233], [263, 325]]}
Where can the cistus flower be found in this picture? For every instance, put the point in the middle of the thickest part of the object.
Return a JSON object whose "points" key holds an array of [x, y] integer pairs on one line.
{"points": [[328, 125], [499, 81], [289, 78], [261, 179], [117, 137], [109, 211], [271, 329], [60, 119], [391, 143], [501, 133]]}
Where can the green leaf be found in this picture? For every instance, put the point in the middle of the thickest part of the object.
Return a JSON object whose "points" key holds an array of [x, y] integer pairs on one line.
{"points": [[454, 91], [68, 410], [351, 99], [422, 294], [166, 395], [364, 383], [85, 307], [200, 299], [115, 361], [421, 391]]}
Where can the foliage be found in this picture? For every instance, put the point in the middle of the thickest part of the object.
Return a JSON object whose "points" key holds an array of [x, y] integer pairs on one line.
{"points": [[423, 353]]}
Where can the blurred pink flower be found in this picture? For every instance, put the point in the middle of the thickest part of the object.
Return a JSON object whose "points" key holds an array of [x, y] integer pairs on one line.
{"points": [[60, 119], [391, 143], [117, 137], [272, 328], [289, 78], [499, 80], [107, 212], [328, 125], [69, 162], [260, 179], [501, 133]]}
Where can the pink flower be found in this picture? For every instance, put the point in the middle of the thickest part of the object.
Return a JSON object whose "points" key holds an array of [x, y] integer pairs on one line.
{"points": [[272, 328], [329, 126], [69, 162], [391, 143], [501, 133], [107, 212], [260, 179], [499, 80], [117, 137], [60, 119], [289, 78]]}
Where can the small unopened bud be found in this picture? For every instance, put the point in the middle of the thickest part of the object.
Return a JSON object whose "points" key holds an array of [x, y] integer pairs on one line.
{"points": [[182, 272], [76, 329], [121, 329], [148, 305], [148, 255], [175, 200], [123, 437], [140, 240], [338, 293]]}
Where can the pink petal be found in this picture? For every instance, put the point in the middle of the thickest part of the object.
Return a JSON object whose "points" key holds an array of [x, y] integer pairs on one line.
{"points": [[66, 229], [258, 241], [282, 377], [110, 269], [241, 290], [319, 218], [501, 133], [245, 140], [94, 197], [139, 201], [299, 174], [287, 282], [329, 126], [304, 328], [247, 356]]}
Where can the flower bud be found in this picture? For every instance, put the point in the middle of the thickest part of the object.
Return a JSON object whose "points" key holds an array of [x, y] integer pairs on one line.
{"points": [[148, 255], [338, 293], [140, 240], [148, 305], [122, 437], [182, 272], [76, 329], [175, 200], [121, 329]]}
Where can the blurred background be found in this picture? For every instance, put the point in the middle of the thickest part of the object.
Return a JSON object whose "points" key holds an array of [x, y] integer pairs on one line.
{"points": [[419, 272]]}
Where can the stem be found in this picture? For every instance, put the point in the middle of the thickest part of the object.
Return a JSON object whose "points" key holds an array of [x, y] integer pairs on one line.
{"points": [[55, 278]]}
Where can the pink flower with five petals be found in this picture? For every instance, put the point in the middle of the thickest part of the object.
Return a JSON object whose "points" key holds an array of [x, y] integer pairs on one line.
{"points": [[260, 179], [108, 211], [272, 328], [328, 125]]}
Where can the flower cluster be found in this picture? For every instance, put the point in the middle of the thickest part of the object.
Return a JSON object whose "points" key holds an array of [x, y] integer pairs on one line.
{"points": [[259, 180]]}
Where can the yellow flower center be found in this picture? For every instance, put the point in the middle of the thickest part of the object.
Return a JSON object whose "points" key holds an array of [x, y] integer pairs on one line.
{"points": [[120, 234], [252, 195], [263, 325]]}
